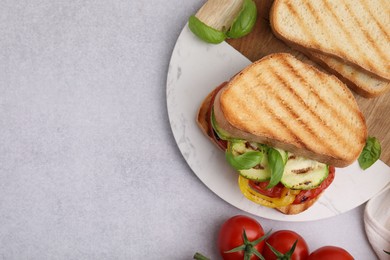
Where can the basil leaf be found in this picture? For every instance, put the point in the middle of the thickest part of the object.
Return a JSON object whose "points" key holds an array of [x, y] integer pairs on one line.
{"points": [[244, 161], [370, 154], [205, 32], [276, 167], [245, 20]]}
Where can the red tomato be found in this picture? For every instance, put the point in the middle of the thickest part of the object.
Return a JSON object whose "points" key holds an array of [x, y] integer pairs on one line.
{"points": [[330, 253], [231, 236], [283, 241], [260, 187]]}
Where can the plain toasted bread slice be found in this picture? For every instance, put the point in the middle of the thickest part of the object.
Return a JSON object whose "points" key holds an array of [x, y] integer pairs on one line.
{"points": [[362, 82], [357, 31], [288, 104], [359, 80]]}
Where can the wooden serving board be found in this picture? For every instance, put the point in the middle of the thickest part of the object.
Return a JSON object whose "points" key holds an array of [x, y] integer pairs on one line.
{"points": [[261, 42]]}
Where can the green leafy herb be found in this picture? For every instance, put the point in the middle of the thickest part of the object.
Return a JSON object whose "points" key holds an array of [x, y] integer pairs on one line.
{"points": [[276, 166], [370, 154], [205, 32], [244, 161], [244, 22]]}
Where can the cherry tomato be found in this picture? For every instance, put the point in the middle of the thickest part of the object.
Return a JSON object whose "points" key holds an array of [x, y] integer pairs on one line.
{"points": [[231, 236], [330, 253], [282, 241]]}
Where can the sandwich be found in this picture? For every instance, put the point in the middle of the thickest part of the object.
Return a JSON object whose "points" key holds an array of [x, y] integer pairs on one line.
{"points": [[356, 78], [349, 38], [284, 126]]}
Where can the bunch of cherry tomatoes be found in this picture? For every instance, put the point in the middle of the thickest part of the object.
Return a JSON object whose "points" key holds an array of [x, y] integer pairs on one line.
{"points": [[243, 238]]}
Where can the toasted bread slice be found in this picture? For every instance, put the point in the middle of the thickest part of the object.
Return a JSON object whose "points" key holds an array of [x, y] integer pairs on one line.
{"points": [[359, 80], [362, 82], [357, 31], [285, 103]]}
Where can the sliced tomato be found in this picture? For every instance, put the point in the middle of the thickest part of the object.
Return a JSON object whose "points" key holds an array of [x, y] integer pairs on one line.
{"points": [[302, 197], [260, 187]]}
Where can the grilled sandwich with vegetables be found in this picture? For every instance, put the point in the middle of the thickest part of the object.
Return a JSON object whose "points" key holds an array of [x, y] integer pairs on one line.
{"points": [[284, 126]]}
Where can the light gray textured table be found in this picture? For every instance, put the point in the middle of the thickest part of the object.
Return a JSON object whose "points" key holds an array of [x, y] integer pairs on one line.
{"points": [[89, 168]]}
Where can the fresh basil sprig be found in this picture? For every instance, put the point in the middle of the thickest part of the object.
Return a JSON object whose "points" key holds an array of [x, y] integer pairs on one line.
{"points": [[205, 32], [244, 161], [370, 154], [244, 22], [276, 167]]}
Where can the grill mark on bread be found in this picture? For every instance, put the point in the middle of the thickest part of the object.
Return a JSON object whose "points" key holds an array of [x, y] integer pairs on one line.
{"points": [[335, 113], [361, 81], [281, 122], [283, 81], [274, 116], [370, 40], [374, 18], [328, 105], [288, 24], [346, 106], [313, 13], [321, 102], [347, 34], [314, 115], [246, 109], [385, 32], [301, 23], [299, 99]]}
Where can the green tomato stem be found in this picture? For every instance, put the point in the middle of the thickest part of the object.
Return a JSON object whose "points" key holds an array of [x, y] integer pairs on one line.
{"points": [[199, 256]]}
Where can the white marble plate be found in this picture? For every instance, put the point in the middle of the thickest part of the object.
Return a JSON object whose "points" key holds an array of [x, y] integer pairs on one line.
{"points": [[195, 69]]}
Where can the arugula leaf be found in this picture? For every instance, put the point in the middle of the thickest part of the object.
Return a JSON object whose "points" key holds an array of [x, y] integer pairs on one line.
{"points": [[276, 166], [243, 161], [370, 154]]}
